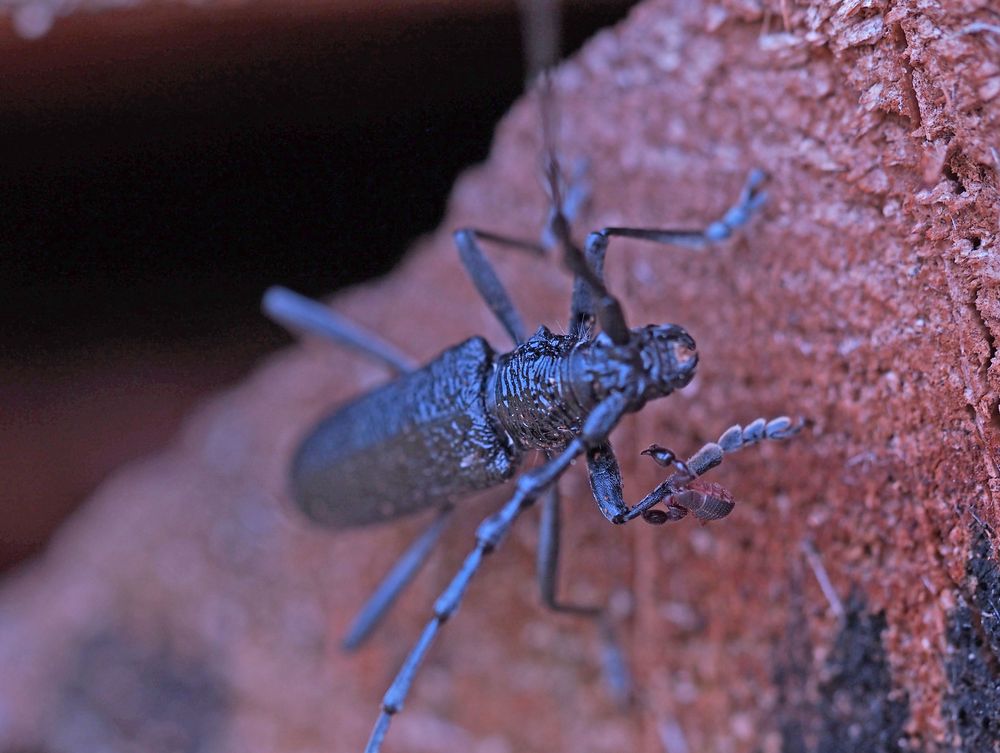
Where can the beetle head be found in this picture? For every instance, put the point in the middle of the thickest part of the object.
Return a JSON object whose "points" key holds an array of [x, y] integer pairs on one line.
{"points": [[655, 361], [669, 358]]}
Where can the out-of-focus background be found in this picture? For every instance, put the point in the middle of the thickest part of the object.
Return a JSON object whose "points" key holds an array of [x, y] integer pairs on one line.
{"points": [[161, 163], [164, 163]]}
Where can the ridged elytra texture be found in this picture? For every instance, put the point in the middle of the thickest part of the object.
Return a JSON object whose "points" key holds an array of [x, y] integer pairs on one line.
{"points": [[867, 298], [419, 441]]}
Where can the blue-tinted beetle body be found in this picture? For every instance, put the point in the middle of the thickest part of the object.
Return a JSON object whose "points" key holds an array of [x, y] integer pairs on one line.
{"points": [[464, 421]]}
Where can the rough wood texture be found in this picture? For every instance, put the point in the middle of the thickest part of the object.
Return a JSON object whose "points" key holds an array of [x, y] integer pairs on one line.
{"points": [[184, 609]]}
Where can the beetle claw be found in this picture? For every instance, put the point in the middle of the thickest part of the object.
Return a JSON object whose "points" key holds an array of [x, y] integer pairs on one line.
{"points": [[666, 458]]}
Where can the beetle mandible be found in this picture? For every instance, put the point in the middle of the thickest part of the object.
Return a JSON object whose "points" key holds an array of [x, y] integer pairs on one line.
{"points": [[466, 420]]}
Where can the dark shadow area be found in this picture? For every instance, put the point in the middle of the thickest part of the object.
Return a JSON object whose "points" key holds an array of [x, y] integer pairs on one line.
{"points": [[972, 703], [154, 188], [847, 704]]}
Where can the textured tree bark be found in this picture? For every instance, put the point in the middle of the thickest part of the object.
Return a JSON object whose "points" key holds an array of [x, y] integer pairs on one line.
{"points": [[851, 600]]}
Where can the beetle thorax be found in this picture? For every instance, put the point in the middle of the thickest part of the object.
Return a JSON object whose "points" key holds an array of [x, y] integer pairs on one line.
{"points": [[531, 394], [542, 391]]}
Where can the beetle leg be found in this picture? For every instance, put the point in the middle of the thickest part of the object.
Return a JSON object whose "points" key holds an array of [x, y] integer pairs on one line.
{"points": [[606, 481], [615, 668], [395, 581], [489, 535], [750, 200], [297, 312], [484, 277], [575, 197], [733, 439], [582, 306], [589, 278], [548, 557]]}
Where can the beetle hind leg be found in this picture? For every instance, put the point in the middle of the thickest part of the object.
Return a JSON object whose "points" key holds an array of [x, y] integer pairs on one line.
{"points": [[398, 578], [296, 312]]}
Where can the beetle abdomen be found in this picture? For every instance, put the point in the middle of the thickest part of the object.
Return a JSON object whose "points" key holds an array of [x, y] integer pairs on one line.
{"points": [[406, 446]]}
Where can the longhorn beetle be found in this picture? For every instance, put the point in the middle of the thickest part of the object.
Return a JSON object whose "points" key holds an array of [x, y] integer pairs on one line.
{"points": [[466, 420]]}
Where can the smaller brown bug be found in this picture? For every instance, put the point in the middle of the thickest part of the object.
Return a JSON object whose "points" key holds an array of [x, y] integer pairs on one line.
{"points": [[706, 499]]}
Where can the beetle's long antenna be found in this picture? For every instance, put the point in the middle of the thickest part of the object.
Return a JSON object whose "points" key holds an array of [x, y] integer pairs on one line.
{"points": [[550, 127], [541, 31], [608, 310]]}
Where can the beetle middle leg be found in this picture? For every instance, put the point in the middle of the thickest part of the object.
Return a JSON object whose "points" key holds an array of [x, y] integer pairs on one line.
{"points": [[481, 271], [484, 277], [489, 535], [614, 666], [529, 487], [571, 197]]}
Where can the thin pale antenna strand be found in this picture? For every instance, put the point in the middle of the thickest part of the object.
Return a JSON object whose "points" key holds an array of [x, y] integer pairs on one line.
{"points": [[541, 30]]}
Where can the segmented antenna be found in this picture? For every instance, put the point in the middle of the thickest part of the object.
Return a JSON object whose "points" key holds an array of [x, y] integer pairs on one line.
{"points": [[608, 309], [541, 32], [550, 162]]}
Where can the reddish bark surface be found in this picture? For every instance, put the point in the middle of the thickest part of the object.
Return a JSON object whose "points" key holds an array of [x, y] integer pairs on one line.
{"points": [[188, 606]]}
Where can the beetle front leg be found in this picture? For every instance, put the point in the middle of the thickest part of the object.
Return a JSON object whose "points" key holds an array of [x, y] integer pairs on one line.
{"points": [[606, 481], [735, 438], [751, 199]]}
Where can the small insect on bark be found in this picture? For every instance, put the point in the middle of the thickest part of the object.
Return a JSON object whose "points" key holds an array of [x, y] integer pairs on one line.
{"points": [[467, 420]]}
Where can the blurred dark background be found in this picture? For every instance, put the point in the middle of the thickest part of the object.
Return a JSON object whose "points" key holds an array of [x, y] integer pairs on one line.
{"points": [[161, 166]]}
